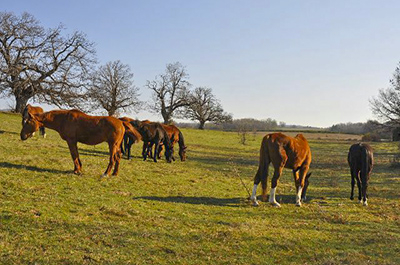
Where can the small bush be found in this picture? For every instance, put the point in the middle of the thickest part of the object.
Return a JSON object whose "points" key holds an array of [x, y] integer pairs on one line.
{"points": [[370, 137]]}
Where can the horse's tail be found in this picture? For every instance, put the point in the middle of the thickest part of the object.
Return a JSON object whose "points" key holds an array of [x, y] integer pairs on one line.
{"points": [[181, 141], [366, 163], [262, 172], [132, 133]]}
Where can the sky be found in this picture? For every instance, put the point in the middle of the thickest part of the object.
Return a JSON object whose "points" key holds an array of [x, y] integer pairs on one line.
{"points": [[314, 63]]}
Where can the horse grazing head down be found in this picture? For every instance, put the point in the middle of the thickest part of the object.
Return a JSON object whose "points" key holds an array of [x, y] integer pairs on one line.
{"points": [[30, 126], [182, 153]]}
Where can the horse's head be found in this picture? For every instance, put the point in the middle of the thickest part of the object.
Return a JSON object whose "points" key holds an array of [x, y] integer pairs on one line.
{"points": [[306, 182], [25, 114], [182, 153], [168, 154], [30, 126]]}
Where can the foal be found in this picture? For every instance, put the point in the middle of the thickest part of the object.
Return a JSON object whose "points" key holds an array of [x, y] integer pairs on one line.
{"points": [[75, 126], [361, 161], [283, 152]]}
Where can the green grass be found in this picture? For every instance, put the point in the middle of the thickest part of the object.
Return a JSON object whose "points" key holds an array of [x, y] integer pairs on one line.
{"points": [[193, 212]]}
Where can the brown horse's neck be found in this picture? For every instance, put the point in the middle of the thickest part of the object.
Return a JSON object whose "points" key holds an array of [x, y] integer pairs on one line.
{"points": [[46, 119]]}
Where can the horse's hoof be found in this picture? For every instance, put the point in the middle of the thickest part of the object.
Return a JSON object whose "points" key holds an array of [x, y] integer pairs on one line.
{"points": [[275, 204], [44, 135], [365, 203], [103, 176], [351, 198], [77, 173], [255, 203], [298, 204], [361, 201]]}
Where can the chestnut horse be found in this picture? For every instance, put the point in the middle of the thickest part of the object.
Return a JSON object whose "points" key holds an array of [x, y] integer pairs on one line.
{"points": [[176, 136], [361, 161], [75, 126], [32, 110], [283, 152]]}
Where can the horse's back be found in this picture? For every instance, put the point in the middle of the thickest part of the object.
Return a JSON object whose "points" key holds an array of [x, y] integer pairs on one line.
{"points": [[360, 155], [292, 152], [89, 129]]}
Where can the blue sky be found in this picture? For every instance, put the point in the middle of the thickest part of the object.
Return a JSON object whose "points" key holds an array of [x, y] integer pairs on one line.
{"points": [[313, 63]]}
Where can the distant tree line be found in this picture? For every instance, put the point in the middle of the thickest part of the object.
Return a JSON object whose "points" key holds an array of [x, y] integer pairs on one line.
{"points": [[246, 124], [53, 67], [372, 130]]}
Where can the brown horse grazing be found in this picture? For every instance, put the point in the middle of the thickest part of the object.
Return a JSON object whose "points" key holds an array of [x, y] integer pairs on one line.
{"points": [[176, 136], [361, 161], [32, 110], [283, 152], [75, 126]]}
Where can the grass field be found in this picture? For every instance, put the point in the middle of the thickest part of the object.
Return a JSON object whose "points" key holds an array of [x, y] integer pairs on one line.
{"points": [[193, 212]]}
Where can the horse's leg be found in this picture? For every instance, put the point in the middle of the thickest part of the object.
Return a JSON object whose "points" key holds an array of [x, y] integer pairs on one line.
{"points": [[364, 186], [274, 184], [73, 148], [160, 148], [129, 149], [299, 179], [42, 132], [357, 175], [353, 182], [117, 157], [297, 184], [144, 150], [123, 146], [156, 147], [112, 149]]}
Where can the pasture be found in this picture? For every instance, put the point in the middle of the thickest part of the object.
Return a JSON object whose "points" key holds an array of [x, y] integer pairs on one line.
{"points": [[193, 212]]}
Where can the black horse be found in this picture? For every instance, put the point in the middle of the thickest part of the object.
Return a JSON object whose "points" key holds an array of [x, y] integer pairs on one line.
{"points": [[361, 161], [152, 134]]}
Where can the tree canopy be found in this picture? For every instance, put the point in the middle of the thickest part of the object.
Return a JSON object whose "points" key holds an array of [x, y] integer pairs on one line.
{"points": [[43, 64]]}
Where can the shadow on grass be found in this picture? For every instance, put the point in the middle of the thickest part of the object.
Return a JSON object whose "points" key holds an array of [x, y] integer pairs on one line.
{"points": [[34, 168], [2, 132], [228, 202]]}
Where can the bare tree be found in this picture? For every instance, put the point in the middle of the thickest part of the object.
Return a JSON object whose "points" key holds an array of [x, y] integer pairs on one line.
{"points": [[170, 91], [41, 63], [205, 107], [112, 89], [386, 106]]}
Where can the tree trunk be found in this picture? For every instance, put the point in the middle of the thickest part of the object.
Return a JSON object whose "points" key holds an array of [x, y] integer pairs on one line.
{"points": [[166, 117], [21, 101], [201, 125]]}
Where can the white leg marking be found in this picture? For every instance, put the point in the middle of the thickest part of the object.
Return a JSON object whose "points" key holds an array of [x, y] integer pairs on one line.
{"points": [[44, 135], [33, 134], [298, 196], [272, 199], [104, 175], [365, 203], [253, 197]]}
